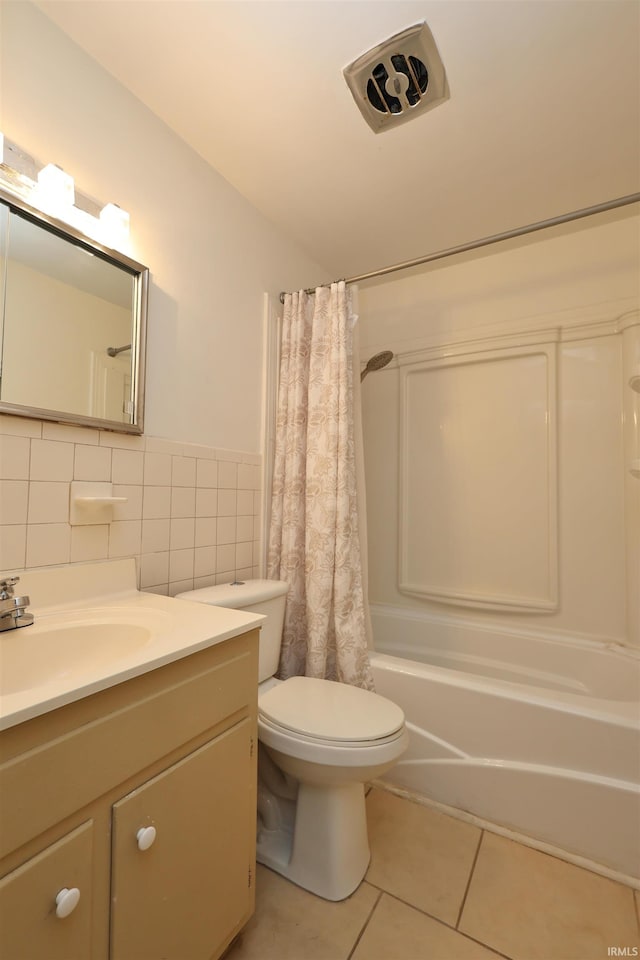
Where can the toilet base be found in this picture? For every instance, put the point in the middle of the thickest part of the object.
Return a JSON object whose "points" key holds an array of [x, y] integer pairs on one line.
{"points": [[321, 842]]}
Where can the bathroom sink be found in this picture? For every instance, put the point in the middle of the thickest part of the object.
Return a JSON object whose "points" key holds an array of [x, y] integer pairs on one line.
{"points": [[94, 629], [67, 645]]}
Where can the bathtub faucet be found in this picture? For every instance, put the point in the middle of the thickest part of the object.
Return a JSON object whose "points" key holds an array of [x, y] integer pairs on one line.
{"points": [[12, 609]]}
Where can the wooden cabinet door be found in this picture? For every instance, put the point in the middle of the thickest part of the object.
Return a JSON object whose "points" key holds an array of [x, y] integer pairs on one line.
{"points": [[29, 926], [189, 893]]}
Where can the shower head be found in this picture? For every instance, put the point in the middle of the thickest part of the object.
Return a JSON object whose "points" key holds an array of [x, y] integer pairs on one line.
{"points": [[114, 351], [377, 362]]}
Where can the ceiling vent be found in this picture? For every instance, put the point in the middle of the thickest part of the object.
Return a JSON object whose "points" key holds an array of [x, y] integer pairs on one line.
{"points": [[398, 79]]}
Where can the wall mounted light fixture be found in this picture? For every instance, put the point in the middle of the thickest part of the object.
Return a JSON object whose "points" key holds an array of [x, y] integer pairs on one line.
{"points": [[52, 190], [114, 222]]}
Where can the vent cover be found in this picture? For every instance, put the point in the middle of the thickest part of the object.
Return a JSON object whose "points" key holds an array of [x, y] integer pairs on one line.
{"points": [[398, 79]]}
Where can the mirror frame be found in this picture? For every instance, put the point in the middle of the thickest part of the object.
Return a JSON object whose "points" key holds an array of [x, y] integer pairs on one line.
{"points": [[140, 275]]}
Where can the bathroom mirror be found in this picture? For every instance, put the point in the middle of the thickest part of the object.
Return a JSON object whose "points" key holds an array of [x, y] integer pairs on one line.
{"points": [[72, 325]]}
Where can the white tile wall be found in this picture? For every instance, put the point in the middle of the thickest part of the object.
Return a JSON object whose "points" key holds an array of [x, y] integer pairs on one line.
{"points": [[206, 531], [13, 501], [48, 502], [228, 475], [89, 543], [127, 466], [206, 473], [51, 460], [92, 463], [191, 518], [155, 536]]}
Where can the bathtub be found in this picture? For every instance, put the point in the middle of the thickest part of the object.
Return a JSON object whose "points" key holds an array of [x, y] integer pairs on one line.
{"points": [[536, 733]]}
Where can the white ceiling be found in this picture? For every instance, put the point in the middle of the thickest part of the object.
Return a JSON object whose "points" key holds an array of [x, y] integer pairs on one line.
{"points": [[543, 116]]}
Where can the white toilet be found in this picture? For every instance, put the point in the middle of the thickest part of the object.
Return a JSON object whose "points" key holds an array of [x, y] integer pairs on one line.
{"points": [[320, 743]]}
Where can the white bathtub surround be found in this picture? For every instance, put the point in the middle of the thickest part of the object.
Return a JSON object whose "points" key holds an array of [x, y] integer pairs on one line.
{"points": [[314, 542], [498, 448], [537, 732], [189, 514], [510, 464], [478, 475], [630, 328]]}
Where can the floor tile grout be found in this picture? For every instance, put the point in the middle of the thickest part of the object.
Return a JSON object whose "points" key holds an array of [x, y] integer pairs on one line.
{"points": [[496, 830], [373, 926], [424, 913], [469, 879], [366, 923], [407, 903]]}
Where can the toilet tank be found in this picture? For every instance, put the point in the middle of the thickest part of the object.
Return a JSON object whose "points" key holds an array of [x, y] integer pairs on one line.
{"points": [[267, 597]]}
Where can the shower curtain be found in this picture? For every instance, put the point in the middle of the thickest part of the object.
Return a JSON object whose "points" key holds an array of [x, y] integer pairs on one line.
{"points": [[314, 540]]}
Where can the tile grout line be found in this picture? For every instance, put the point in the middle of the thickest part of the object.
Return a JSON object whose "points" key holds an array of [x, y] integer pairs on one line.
{"points": [[485, 946], [29, 494], [365, 924], [435, 919], [471, 872], [407, 903]]}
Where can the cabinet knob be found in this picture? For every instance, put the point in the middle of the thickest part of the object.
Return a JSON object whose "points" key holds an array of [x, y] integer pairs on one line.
{"points": [[66, 901], [145, 836]]}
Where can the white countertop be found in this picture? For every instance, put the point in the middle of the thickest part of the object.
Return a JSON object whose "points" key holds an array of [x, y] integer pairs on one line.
{"points": [[103, 632]]}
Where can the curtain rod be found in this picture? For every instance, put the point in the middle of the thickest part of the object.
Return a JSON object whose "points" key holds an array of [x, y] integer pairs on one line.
{"points": [[485, 241]]}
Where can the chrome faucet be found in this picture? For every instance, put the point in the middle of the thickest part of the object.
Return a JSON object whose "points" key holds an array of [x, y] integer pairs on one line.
{"points": [[12, 609]]}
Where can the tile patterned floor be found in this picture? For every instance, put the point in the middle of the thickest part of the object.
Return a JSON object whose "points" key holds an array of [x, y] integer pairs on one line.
{"points": [[441, 889]]}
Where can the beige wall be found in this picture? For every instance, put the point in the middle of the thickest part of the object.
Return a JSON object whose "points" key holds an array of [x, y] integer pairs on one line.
{"points": [[573, 294], [192, 481], [211, 255]]}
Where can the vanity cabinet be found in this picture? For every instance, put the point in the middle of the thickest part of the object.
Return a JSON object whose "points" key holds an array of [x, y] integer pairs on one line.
{"points": [[194, 880], [29, 926], [173, 750]]}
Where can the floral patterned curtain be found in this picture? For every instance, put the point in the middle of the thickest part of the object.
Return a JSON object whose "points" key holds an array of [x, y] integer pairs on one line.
{"points": [[314, 541]]}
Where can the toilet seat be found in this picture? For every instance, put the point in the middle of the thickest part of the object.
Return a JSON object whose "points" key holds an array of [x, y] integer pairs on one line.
{"points": [[330, 712], [275, 728], [364, 759]]}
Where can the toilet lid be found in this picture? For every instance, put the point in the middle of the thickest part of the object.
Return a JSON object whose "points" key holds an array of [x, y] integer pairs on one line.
{"points": [[328, 710], [239, 594]]}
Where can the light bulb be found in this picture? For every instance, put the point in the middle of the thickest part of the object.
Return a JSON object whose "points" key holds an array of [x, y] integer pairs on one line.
{"points": [[55, 190], [114, 224]]}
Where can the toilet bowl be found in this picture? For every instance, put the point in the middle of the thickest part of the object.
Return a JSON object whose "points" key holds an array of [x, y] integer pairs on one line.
{"points": [[319, 743]]}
